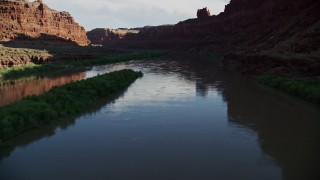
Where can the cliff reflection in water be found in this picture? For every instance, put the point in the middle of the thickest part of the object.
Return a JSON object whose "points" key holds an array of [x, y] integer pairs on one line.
{"points": [[287, 127], [51, 129], [11, 91]]}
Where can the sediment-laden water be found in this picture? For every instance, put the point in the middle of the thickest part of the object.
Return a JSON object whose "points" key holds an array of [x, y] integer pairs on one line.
{"points": [[185, 119]]}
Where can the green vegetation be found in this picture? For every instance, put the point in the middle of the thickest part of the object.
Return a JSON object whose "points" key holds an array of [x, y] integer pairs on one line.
{"points": [[28, 69], [116, 59], [60, 102], [214, 55], [307, 89], [41, 69]]}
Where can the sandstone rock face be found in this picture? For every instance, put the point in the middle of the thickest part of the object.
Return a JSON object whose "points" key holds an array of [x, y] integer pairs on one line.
{"points": [[32, 19], [203, 13], [103, 36]]}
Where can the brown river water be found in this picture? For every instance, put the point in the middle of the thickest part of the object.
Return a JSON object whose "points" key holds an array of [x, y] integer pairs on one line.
{"points": [[185, 119]]}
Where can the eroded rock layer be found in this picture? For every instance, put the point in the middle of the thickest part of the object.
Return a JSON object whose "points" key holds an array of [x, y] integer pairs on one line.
{"points": [[37, 20]]}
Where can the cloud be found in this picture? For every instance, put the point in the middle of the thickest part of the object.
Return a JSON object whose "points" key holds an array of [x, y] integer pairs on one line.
{"points": [[133, 13]]}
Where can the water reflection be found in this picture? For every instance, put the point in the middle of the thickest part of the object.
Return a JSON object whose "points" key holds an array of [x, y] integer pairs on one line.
{"points": [[288, 128], [11, 91], [191, 120], [51, 130]]}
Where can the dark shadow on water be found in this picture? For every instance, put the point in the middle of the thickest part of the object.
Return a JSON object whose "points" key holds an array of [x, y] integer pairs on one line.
{"points": [[47, 131], [287, 127]]}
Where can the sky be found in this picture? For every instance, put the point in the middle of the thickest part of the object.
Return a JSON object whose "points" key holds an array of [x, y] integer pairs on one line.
{"points": [[133, 13]]}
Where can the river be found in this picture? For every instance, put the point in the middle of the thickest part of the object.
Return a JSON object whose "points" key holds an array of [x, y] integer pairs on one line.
{"points": [[185, 119]]}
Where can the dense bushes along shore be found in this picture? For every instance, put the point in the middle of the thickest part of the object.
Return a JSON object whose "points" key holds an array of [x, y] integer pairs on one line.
{"points": [[44, 69], [307, 89], [60, 102]]}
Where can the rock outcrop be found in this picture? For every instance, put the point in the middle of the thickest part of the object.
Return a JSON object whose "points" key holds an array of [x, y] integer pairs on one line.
{"points": [[33, 19], [203, 13], [10, 57], [103, 36]]}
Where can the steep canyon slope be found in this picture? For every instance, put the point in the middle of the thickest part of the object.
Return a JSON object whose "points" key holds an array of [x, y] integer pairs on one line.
{"points": [[29, 29], [24, 19]]}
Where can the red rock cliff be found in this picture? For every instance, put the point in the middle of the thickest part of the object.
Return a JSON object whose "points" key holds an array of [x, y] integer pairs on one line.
{"points": [[35, 18], [239, 14], [258, 24], [103, 36], [257, 34]]}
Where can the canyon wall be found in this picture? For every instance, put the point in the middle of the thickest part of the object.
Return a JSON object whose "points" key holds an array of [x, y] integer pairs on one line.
{"points": [[104, 35], [24, 19], [241, 21], [238, 15], [253, 35]]}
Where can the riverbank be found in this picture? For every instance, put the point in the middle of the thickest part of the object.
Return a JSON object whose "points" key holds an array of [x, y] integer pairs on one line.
{"points": [[44, 69], [299, 78], [296, 77], [61, 102], [304, 88]]}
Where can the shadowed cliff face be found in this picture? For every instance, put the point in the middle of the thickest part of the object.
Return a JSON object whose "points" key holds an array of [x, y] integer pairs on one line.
{"points": [[102, 36], [244, 22], [35, 18], [246, 26], [277, 27], [238, 14], [256, 36]]}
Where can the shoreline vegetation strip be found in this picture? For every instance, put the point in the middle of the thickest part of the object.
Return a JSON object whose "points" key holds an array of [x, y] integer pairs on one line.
{"points": [[306, 89], [42, 69], [61, 102]]}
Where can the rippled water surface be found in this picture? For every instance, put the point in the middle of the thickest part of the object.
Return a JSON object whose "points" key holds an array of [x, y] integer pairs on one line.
{"points": [[185, 119]]}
